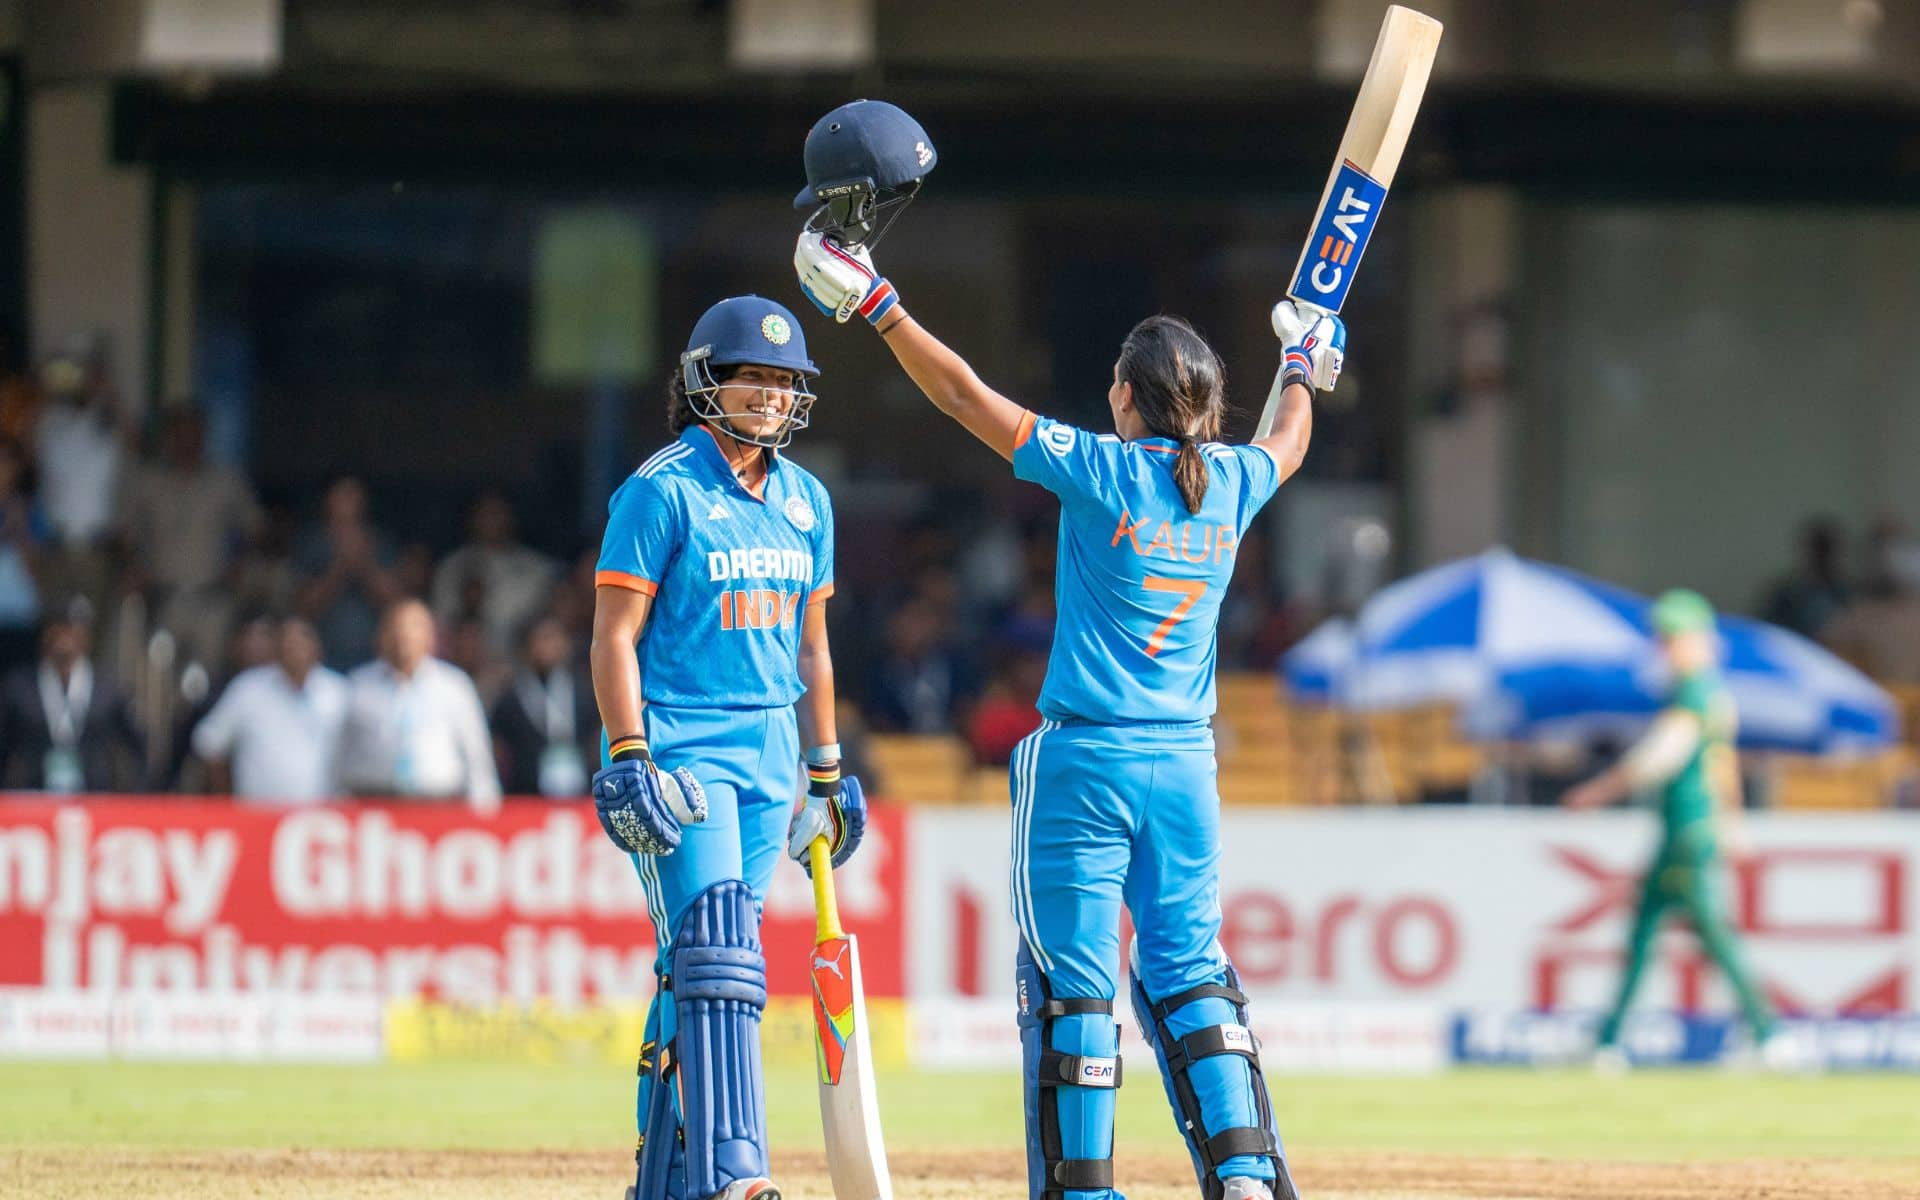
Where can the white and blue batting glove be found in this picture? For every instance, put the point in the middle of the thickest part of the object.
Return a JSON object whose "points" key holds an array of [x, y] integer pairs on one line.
{"points": [[835, 808], [1315, 345], [841, 282], [642, 809]]}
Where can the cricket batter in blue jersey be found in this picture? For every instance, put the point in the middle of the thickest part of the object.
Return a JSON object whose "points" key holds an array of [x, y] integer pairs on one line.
{"points": [[709, 628], [1114, 795]]}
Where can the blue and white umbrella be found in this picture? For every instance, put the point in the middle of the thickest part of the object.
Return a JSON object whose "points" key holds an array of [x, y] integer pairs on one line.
{"points": [[1316, 669], [1527, 649]]}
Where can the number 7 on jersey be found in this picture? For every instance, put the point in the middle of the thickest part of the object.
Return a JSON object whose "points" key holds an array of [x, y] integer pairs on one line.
{"points": [[1189, 591]]}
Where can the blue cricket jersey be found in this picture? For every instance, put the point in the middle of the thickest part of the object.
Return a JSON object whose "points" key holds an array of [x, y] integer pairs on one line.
{"points": [[730, 573], [1139, 580]]}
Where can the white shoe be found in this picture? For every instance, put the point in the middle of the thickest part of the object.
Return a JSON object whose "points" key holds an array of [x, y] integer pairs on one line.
{"points": [[1610, 1061], [749, 1189], [1240, 1187]]}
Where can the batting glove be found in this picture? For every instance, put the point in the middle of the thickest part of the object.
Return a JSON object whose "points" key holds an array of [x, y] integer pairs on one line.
{"points": [[1315, 345], [642, 809], [835, 808], [841, 282]]}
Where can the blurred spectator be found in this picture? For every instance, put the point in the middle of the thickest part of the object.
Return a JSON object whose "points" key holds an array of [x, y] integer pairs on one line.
{"points": [[78, 442], [1255, 625], [921, 680], [271, 736], [572, 600], [187, 522], [263, 579], [19, 394], [1815, 590], [23, 532], [493, 577], [254, 642], [1006, 711], [415, 725], [65, 726], [469, 649], [1880, 631], [546, 727], [413, 570], [345, 569]]}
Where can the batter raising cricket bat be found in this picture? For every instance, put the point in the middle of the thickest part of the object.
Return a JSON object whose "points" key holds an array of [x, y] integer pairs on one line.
{"points": [[710, 661], [1115, 795]]}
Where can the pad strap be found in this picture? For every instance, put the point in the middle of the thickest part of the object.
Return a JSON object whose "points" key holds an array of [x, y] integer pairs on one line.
{"points": [[1179, 1000], [1214, 1039], [1244, 1140], [1081, 1174], [1078, 1070]]}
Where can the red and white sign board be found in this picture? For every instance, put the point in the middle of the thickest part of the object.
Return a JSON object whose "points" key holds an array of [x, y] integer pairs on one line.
{"points": [[377, 900], [240, 1026], [1501, 910]]}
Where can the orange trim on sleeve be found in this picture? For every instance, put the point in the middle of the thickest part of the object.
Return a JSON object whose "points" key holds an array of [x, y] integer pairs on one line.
{"points": [[820, 593], [620, 579], [1025, 429]]}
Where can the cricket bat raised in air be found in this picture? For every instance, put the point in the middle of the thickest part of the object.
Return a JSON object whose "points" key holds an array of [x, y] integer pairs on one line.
{"points": [[849, 1107], [1363, 171]]}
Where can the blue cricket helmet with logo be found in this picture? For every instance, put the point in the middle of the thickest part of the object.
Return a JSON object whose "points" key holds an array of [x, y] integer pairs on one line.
{"points": [[741, 331], [865, 162]]}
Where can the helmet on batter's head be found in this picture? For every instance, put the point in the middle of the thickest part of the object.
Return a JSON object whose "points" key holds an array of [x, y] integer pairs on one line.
{"points": [[864, 160], [742, 331]]}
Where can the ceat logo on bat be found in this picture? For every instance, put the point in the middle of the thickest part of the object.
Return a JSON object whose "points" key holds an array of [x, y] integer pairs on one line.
{"points": [[1339, 238]]}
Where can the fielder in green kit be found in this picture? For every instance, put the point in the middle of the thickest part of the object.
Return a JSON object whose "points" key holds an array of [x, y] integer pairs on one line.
{"points": [[1687, 759]]}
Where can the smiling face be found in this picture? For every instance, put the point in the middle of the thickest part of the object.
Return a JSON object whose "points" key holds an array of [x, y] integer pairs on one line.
{"points": [[755, 400]]}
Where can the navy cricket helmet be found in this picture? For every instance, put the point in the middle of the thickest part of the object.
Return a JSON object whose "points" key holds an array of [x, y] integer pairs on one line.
{"points": [[740, 331], [865, 161]]}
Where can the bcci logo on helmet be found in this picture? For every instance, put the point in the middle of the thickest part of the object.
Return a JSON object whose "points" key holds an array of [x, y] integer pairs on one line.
{"points": [[775, 329]]}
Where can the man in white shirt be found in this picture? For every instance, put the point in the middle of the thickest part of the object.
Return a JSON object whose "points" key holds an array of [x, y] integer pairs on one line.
{"points": [[275, 727], [415, 726]]}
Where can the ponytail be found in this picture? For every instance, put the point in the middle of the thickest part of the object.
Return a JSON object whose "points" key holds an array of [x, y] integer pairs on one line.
{"points": [[1179, 389], [1190, 474]]}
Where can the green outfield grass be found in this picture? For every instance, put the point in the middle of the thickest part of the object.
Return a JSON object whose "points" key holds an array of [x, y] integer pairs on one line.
{"points": [[1649, 1116]]}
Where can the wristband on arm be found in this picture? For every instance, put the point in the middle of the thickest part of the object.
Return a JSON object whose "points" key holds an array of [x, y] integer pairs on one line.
{"points": [[823, 770], [1296, 368], [629, 745]]}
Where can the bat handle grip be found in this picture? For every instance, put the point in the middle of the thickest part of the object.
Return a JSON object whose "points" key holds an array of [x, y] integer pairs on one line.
{"points": [[826, 909]]}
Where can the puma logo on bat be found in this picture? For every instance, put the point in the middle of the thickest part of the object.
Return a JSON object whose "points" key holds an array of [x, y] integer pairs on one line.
{"points": [[831, 964]]}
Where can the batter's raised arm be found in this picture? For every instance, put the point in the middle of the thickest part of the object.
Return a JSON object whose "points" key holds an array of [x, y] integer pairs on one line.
{"points": [[842, 282]]}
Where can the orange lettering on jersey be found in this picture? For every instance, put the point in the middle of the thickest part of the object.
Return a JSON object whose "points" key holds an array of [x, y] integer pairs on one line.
{"points": [[1206, 542], [1127, 531], [1162, 540], [1225, 543], [760, 608]]}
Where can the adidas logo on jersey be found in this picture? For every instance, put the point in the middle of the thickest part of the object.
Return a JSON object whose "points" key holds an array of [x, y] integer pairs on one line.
{"points": [[718, 512]]}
